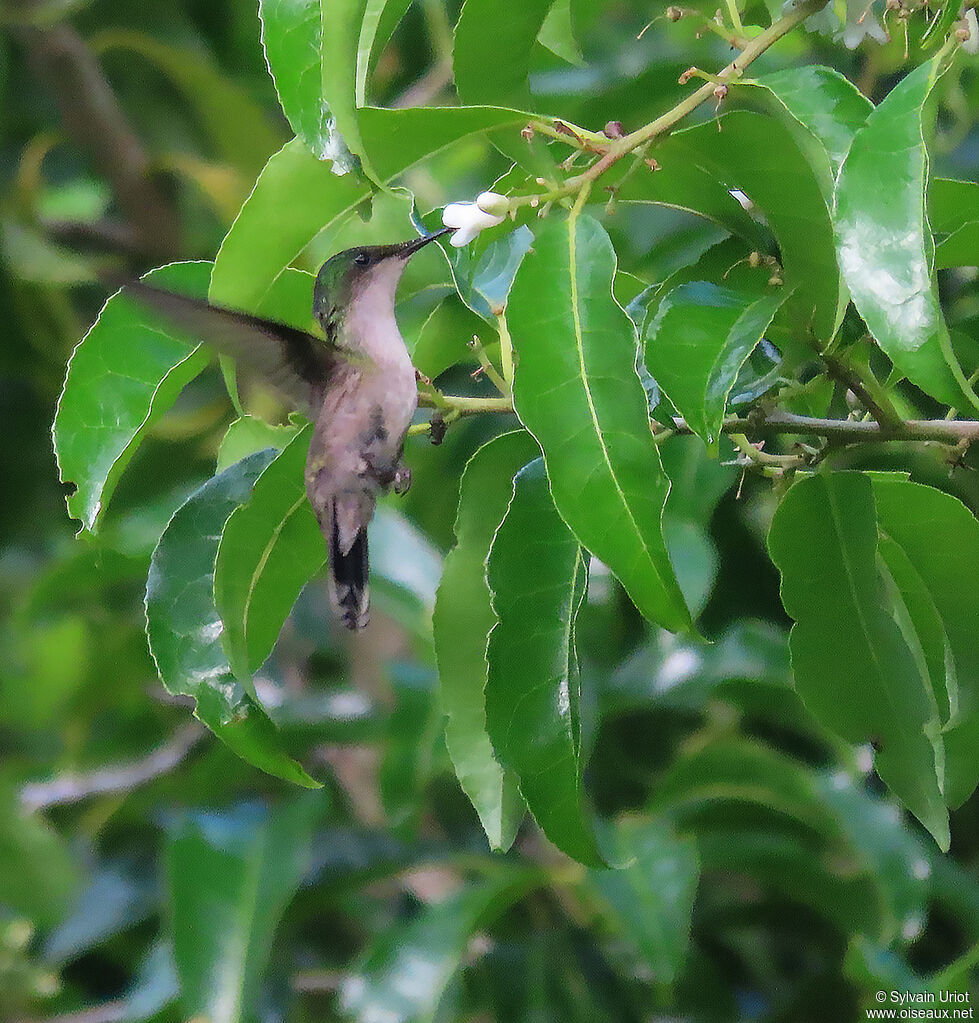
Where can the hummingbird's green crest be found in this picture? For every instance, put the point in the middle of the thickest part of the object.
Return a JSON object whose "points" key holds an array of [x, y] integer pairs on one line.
{"points": [[357, 384]]}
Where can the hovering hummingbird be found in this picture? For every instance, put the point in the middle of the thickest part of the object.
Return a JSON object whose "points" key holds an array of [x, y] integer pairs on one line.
{"points": [[358, 386]]}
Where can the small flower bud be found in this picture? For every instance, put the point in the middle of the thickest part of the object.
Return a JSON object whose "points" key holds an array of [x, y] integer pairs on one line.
{"points": [[673, 13], [469, 218], [720, 92], [493, 203], [527, 132], [613, 130]]}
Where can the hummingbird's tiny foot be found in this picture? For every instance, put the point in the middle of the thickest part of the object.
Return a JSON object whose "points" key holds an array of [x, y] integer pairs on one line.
{"points": [[402, 480]]}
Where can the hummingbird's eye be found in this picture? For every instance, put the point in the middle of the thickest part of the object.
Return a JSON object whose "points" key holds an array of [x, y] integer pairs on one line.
{"points": [[362, 258]]}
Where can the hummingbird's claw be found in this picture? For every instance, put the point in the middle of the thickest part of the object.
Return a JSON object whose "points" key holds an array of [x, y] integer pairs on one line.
{"points": [[402, 480]]}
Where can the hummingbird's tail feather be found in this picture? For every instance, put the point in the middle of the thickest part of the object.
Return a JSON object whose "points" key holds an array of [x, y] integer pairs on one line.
{"points": [[349, 578]]}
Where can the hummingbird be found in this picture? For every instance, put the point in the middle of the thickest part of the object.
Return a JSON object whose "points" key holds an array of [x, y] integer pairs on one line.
{"points": [[357, 384]]}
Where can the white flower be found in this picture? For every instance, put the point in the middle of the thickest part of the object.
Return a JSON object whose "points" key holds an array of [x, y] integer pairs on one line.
{"points": [[469, 218], [971, 45], [860, 23]]}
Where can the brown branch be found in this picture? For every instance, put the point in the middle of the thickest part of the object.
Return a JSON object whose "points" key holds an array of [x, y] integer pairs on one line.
{"points": [[72, 788], [95, 121], [944, 431]]}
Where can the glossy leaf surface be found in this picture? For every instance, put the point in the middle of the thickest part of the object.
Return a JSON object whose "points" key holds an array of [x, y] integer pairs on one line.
{"points": [[538, 574], [885, 247], [852, 666], [577, 390], [463, 620], [184, 628]]}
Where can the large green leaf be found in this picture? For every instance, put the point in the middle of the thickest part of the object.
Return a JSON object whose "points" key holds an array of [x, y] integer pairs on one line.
{"points": [[463, 620], [184, 628], [263, 560], [913, 516], [885, 246], [231, 875], [761, 156], [852, 666], [823, 103], [123, 375], [492, 50], [311, 48], [647, 904], [577, 390], [953, 212], [697, 343], [538, 574], [273, 228]]}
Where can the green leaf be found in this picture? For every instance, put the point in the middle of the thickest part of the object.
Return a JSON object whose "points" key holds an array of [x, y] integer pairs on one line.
{"points": [[577, 390], [124, 374], [263, 559], [249, 434], [886, 250], [853, 668], [926, 525], [557, 33], [824, 104], [381, 18], [483, 272], [648, 902], [404, 975], [184, 628], [538, 575], [231, 876], [239, 127], [311, 50], [760, 156], [492, 52], [463, 620], [273, 228], [953, 211], [695, 347]]}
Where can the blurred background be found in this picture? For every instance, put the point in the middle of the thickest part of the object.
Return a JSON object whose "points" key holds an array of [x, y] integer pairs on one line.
{"points": [[776, 880]]}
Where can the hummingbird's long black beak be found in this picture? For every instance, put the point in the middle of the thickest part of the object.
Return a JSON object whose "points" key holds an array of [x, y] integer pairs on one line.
{"points": [[406, 249]]}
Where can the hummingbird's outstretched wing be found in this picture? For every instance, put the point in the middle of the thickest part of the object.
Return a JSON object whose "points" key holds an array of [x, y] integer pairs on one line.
{"points": [[297, 364]]}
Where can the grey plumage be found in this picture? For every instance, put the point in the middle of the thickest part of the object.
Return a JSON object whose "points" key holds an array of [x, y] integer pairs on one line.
{"points": [[357, 384]]}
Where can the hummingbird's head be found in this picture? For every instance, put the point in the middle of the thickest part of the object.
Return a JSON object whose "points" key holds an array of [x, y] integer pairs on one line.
{"points": [[366, 273]]}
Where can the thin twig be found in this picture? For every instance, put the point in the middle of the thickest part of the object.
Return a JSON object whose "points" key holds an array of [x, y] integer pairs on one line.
{"points": [[72, 788]]}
